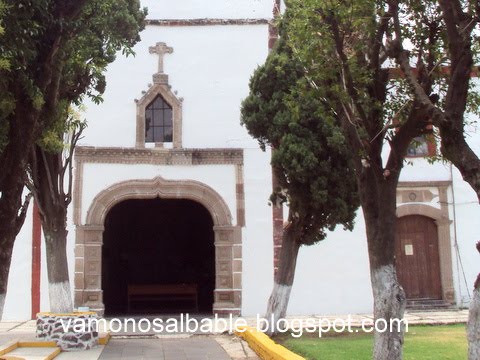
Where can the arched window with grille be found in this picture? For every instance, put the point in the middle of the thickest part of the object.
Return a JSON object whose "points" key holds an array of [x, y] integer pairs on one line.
{"points": [[158, 121]]}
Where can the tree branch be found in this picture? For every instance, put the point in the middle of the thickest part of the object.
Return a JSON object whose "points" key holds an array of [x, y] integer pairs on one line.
{"points": [[69, 161], [375, 57], [33, 184], [346, 73], [397, 52], [23, 213], [51, 187]]}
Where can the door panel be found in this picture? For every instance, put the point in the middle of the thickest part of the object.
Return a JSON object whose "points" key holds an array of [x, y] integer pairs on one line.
{"points": [[417, 258]]}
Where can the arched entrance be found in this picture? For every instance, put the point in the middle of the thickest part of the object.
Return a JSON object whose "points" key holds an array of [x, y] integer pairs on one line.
{"points": [[440, 219], [417, 257], [227, 239], [163, 246]]}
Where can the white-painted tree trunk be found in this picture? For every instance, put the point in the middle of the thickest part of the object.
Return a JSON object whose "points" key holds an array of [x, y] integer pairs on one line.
{"points": [[277, 306], [57, 269], [60, 297], [2, 304], [473, 326], [389, 306], [278, 301]]}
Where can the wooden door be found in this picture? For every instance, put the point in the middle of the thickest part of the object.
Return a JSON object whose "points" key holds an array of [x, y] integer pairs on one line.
{"points": [[417, 257]]}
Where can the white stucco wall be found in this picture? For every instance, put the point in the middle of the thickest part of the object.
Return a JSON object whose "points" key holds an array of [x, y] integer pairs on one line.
{"points": [[467, 215], [465, 212], [419, 169], [210, 68], [333, 276], [257, 234], [197, 9], [18, 300]]}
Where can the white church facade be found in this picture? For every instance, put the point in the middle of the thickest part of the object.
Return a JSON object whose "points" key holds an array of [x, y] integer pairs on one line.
{"points": [[170, 188]]}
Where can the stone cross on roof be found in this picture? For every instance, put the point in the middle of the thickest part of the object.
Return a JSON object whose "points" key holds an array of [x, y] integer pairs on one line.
{"points": [[161, 49]]}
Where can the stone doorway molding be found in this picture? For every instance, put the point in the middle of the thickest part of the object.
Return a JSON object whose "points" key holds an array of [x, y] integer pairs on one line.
{"points": [[228, 241], [442, 220]]}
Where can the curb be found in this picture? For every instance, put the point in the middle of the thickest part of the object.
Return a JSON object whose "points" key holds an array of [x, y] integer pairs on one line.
{"points": [[29, 344], [265, 347], [15, 344], [104, 338]]}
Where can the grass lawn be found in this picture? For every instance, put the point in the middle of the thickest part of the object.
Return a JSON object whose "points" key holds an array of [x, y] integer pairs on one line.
{"points": [[442, 342]]}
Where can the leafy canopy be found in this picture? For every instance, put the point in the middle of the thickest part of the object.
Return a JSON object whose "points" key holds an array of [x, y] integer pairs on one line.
{"points": [[379, 62], [309, 150], [87, 43]]}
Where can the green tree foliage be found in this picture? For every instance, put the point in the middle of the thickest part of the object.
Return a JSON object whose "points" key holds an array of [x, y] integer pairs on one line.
{"points": [[309, 158], [309, 149], [73, 41], [430, 49], [384, 70], [57, 52]]}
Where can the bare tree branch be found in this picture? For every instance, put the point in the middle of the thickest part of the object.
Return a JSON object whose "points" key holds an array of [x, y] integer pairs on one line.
{"points": [[23, 212], [49, 176], [347, 76], [69, 161]]}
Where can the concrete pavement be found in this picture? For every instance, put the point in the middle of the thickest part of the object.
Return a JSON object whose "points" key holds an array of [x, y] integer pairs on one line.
{"points": [[191, 348], [159, 347], [204, 347]]}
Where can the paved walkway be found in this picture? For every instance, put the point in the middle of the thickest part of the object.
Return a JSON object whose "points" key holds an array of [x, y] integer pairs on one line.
{"points": [[159, 347], [192, 348], [204, 347]]}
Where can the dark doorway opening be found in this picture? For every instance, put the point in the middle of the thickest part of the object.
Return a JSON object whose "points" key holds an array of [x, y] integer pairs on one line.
{"points": [[158, 257], [417, 257]]}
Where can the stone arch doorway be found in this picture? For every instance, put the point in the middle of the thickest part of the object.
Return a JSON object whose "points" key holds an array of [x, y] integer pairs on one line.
{"points": [[162, 246], [227, 239], [423, 252]]}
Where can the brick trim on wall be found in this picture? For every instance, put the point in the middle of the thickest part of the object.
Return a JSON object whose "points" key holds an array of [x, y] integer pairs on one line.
{"points": [[116, 155], [36, 260], [277, 210], [205, 22]]}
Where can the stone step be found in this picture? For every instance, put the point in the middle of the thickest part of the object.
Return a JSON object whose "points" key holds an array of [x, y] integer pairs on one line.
{"points": [[428, 304]]}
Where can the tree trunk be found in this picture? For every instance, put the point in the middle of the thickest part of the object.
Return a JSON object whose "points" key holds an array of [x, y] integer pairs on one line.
{"points": [[389, 297], [473, 326], [24, 128], [389, 306], [13, 160], [12, 217], [278, 301], [5, 260], [9, 206], [379, 208], [57, 269], [53, 203], [455, 148]]}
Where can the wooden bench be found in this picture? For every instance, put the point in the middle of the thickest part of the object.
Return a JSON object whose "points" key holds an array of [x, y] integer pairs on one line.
{"points": [[162, 292]]}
